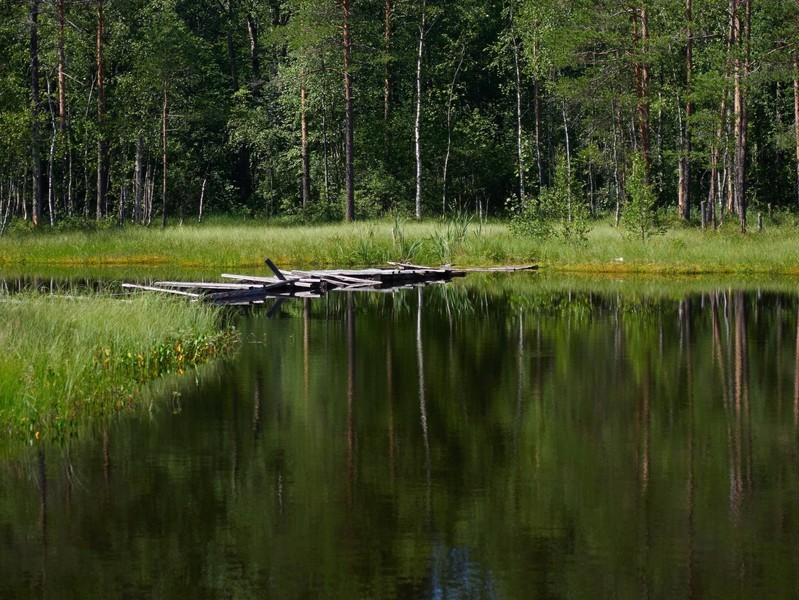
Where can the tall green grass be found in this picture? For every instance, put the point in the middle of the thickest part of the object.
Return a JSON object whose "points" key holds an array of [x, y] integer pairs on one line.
{"points": [[62, 358], [224, 243], [460, 240]]}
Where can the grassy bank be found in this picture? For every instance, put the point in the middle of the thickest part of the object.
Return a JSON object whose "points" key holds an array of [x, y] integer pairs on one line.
{"points": [[224, 244], [63, 358]]}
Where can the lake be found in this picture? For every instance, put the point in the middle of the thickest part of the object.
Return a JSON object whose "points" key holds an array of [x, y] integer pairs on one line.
{"points": [[500, 437]]}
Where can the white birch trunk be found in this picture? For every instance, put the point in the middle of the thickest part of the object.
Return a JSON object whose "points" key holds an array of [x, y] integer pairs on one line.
{"points": [[417, 128]]}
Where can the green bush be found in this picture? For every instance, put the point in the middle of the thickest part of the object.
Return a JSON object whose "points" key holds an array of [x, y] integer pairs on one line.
{"points": [[640, 215], [559, 211]]}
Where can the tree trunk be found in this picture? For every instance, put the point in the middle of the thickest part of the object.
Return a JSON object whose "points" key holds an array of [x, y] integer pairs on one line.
{"points": [[51, 161], [36, 159], [716, 189], [304, 154], [796, 119], [102, 142], [123, 194], [568, 166], [417, 127], [349, 125], [62, 103], [387, 78], [231, 46], [684, 183], [738, 156], [6, 213], [741, 113], [325, 161], [538, 159], [70, 207], [641, 73], [86, 188], [138, 181], [255, 59], [449, 133], [519, 132], [149, 190], [616, 117], [202, 197], [163, 157]]}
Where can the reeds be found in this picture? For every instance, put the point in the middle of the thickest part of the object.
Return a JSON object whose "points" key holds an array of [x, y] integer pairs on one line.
{"points": [[64, 357]]}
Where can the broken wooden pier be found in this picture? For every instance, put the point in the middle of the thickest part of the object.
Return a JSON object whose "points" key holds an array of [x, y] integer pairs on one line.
{"points": [[248, 289]]}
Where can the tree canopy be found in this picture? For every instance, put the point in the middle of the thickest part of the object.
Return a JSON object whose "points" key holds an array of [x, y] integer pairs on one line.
{"points": [[326, 109]]}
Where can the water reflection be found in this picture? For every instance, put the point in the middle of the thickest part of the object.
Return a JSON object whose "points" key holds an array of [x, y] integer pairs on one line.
{"points": [[496, 440]]}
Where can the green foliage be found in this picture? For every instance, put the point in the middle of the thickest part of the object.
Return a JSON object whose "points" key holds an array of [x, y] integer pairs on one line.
{"points": [[450, 240], [241, 78], [559, 211], [640, 215], [404, 249]]}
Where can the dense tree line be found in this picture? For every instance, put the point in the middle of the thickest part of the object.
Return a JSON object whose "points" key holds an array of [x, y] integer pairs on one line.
{"points": [[146, 110]]}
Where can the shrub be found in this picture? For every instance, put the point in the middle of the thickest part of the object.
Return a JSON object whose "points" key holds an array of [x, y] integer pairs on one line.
{"points": [[558, 211], [640, 216]]}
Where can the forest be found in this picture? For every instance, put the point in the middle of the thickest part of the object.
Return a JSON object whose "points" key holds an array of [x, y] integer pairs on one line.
{"points": [[154, 111]]}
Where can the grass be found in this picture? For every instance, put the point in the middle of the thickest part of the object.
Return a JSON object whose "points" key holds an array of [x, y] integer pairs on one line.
{"points": [[224, 243], [64, 358]]}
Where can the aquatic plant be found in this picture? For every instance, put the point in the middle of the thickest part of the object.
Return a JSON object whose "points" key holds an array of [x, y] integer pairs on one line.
{"points": [[66, 357]]}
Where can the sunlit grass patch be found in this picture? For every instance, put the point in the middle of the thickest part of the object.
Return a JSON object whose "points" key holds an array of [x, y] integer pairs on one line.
{"points": [[462, 240]]}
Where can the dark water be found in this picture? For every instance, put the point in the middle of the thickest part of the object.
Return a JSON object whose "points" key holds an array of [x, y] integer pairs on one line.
{"points": [[494, 439]]}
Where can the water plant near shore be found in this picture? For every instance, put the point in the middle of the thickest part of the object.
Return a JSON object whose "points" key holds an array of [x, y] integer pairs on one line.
{"points": [[66, 357]]}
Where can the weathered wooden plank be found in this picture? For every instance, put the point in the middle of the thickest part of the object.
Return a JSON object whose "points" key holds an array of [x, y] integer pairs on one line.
{"points": [[334, 284], [346, 279], [194, 285], [251, 278], [254, 293], [151, 288], [275, 270], [250, 289], [412, 267]]}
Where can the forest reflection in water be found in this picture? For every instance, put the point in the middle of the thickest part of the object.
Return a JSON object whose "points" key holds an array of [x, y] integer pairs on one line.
{"points": [[495, 438]]}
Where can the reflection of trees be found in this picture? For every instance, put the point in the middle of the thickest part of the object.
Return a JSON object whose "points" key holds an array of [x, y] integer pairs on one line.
{"points": [[796, 377], [306, 345], [42, 480], [350, 401], [740, 430], [687, 345], [392, 434], [559, 441], [423, 401]]}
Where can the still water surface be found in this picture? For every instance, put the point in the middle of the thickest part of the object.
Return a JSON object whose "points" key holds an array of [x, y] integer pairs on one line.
{"points": [[482, 440]]}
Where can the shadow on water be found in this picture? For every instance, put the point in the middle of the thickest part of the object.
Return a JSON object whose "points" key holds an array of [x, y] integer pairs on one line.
{"points": [[502, 437]]}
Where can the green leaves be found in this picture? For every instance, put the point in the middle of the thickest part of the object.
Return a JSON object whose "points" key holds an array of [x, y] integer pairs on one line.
{"points": [[559, 210], [640, 215]]}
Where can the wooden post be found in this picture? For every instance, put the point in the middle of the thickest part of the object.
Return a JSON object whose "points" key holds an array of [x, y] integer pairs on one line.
{"points": [[274, 269], [760, 221]]}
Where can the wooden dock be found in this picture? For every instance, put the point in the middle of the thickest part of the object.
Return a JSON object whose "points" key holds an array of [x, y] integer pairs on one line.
{"points": [[247, 289]]}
